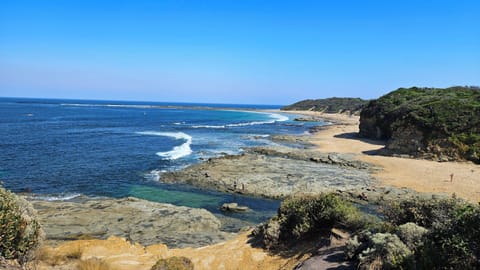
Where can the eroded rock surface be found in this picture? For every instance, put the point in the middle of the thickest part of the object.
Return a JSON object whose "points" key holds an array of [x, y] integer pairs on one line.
{"points": [[134, 219], [276, 172]]}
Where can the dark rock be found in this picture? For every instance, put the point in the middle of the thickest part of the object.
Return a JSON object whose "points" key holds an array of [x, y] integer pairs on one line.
{"points": [[307, 119], [233, 207]]}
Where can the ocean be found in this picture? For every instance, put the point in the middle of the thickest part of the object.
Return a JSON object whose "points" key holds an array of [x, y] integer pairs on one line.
{"points": [[61, 149]]}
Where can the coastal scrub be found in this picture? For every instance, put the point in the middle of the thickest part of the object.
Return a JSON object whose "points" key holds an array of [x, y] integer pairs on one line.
{"points": [[302, 216], [20, 233], [434, 123]]}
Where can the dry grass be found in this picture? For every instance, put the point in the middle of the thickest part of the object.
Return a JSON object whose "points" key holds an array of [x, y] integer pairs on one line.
{"points": [[93, 264], [50, 257]]}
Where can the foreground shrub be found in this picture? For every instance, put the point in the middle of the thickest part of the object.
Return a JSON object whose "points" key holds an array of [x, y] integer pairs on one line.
{"points": [[304, 215], [439, 233], [20, 233], [456, 243], [173, 263], [386, 251], [412, 234]]}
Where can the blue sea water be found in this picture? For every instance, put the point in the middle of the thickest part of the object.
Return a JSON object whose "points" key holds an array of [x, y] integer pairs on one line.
{"points": [[59, 149]]}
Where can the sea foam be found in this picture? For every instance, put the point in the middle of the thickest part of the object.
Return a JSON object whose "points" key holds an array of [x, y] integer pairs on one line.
{"points": [[275, 117], [107, 105], [62, 197], [177, 151], [208, 126]]}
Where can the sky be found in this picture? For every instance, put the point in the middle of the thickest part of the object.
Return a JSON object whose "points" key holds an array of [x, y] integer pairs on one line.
{"points": [[226, 51]]}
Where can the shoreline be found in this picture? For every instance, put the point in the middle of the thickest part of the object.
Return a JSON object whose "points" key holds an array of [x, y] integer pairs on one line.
{"points": [[418, 174], [333, 160], [334, 147]]}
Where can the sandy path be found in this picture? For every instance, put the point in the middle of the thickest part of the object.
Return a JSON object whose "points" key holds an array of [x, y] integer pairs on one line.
{"points": [[420, 175]]}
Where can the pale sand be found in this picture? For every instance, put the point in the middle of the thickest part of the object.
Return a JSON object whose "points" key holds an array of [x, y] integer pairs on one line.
{"points": [[417, 174], [120, 254]]}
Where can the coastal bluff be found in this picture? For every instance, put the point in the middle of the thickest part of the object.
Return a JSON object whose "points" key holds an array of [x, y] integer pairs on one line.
{"points": [[329, 105], [430, 123]]}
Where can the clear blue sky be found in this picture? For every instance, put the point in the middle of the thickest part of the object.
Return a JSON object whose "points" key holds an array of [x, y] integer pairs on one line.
{"points": [[268, 52]]}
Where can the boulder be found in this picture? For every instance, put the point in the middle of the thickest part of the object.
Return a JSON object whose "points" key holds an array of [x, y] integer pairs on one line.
{"points": [[233, 207]]}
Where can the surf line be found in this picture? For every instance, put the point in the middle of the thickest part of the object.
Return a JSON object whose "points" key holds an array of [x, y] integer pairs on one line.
{"points": [[177, 151]]}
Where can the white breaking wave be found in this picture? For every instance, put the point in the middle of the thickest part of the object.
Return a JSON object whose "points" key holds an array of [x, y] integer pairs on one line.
{"points": [[52, 198], [107, 105], [275, 118], [279, 117], [154, 175], [177, 151], [208, 126]]}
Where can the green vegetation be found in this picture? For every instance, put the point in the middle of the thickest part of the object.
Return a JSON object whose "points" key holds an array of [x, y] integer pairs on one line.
{"points": [[20, 233], [302, 216], [173, 263], [329, 105], [422, 234], [412, 234], [446, 122]]}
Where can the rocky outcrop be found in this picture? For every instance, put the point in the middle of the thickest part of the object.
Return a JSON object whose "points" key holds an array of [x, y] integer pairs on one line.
{"points": [[307, 119], [438, 124], [342, 160], [137, 220], [275, 172]]}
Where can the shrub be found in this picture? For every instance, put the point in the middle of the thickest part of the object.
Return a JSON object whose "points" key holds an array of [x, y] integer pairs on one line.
{"points": [[173, 263], [20, 233], [423, 212], [441, 233], [456, 243], [300, 216], [412, 234], [386, 251]]}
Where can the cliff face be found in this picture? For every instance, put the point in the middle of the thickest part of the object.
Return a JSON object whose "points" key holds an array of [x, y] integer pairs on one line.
{"points": [[438, 124], [329, 105]]}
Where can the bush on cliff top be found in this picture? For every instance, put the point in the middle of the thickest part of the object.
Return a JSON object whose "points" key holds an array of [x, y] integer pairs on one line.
{"points": [[329, 105], [448, 118], [20, 233]]}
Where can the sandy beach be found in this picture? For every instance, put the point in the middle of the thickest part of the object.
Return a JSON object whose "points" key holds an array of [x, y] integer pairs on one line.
{"points": [[420, 175]]}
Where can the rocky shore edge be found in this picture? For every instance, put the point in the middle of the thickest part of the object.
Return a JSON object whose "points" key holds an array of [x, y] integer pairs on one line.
{"points": [[272, 172]]}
